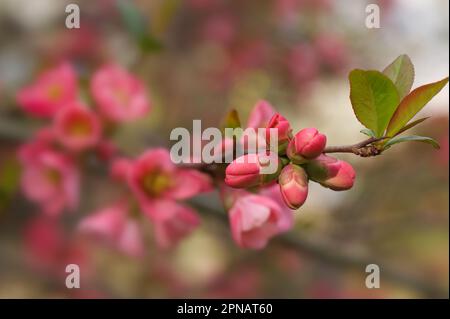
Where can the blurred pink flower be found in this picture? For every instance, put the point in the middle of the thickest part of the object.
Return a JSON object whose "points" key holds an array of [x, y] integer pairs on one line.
{"points": [[76, 127], [243, 282], [254, 219], [106, 150], [120, 168], [219, 28], [119, 95], [259, 117], [49, 178], [113, 225], [157, 184], [48, 248], [302, 63], [154, 176], [50, 92], [171, 221], [332, 52]]}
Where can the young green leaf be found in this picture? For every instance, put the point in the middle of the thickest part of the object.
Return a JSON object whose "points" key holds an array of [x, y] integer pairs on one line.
{"points": [[136, 25], [413, 138], [374, 99], [413, 103], [401, 72], [368, 132], [231, 120], [411, 125]]}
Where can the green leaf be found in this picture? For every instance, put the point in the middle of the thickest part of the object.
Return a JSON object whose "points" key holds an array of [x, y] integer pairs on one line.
{"points": [[9, 180], [413, 138], [231, 120], [413, 103], [368, 132], [401, 72], [374, 99], [411, 125], [137, 26]]}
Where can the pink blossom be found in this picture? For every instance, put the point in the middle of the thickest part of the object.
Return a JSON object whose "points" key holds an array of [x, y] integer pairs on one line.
{"points": [[52, 91], [49, 178], [48, 247], [254, 219], [260, 115], [303, 64], [219, 28], [114, 226], [76, 127], [171, 221], [331, 51], [154, 176], [120, 168], [119, 95]]}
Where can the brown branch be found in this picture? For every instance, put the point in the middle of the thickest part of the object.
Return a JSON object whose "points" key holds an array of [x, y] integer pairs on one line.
{"points": [[365, 148]]}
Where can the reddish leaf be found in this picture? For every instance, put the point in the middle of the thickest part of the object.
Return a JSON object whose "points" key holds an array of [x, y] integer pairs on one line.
{"points": [[412, 104]]}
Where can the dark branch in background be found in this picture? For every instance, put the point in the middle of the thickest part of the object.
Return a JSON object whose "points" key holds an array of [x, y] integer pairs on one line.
{"points": [[334, 255], [13, 130]]}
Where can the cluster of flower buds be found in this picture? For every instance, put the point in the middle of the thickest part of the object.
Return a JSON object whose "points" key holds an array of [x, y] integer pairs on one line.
{"points": [[299, 158]]}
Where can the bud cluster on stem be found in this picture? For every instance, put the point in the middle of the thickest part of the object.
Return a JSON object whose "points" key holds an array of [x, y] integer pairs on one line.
{"points": [[299, 159]]}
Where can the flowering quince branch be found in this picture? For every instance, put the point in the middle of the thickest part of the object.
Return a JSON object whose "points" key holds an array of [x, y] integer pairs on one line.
{"points": [[259, 204], [381, 101]]}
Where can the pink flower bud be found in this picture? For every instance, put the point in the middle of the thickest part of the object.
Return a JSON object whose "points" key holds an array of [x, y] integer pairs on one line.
{"points": [[76, 127], [293, 185], [284, 132], [331, 172], [252, 170], [306, 144], [49, 178]]}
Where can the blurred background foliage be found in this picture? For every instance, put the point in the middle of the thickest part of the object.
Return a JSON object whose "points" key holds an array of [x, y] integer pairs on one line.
{"points": [[198, 59]]}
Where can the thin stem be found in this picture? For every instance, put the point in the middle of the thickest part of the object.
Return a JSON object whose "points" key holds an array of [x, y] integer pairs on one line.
{"points": [[364, 148]]}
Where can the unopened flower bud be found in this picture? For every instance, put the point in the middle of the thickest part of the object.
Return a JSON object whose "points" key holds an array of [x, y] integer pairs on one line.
{"points": [[284, 132], [293, 185], [306, 145], [252, 170], [331, 172]]}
